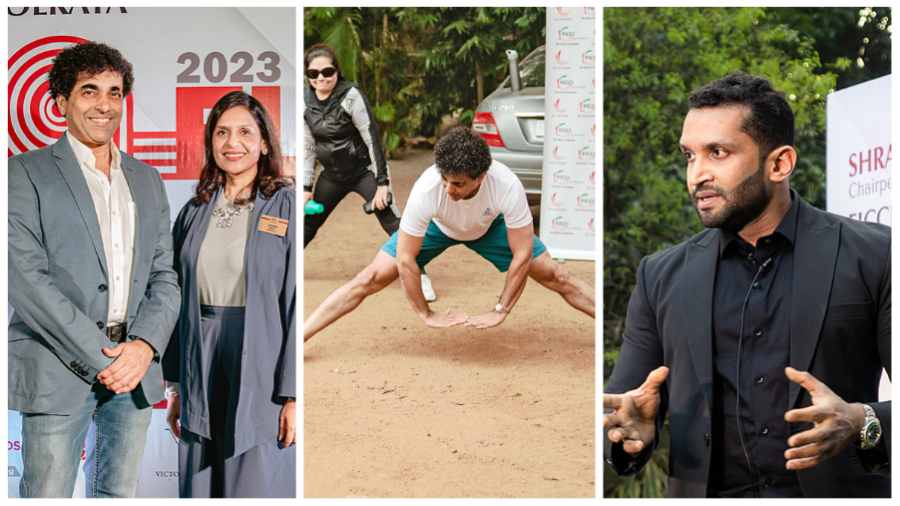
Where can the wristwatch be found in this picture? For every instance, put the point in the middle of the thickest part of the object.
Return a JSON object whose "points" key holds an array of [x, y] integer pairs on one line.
{"points": [[870, 434], [499, 308]]}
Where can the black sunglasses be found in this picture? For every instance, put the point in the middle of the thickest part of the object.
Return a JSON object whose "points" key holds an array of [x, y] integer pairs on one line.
{"points": [[326, 72]]}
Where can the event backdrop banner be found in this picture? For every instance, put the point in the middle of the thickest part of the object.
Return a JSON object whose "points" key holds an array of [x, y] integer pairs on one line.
{"points": [[568, 196], [859, 158], [859, 151], [184, 60]]}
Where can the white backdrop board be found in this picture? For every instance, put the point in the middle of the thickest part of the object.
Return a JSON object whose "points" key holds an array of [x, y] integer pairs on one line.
{"points": [[859, 157], [568, 195], [184, 60]]}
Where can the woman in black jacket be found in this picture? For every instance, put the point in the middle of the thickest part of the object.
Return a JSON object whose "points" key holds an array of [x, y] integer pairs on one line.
{"points": [[340, 133]]}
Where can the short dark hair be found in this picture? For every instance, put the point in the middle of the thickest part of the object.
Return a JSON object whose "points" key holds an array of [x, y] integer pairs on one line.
{"points": [[462, 151], [91, 58], [322, 49], [268, 174], [770, 122]]}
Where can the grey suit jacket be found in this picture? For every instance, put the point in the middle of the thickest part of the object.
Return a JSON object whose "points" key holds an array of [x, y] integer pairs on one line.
{"points": [[58, 280], [268, 372]]}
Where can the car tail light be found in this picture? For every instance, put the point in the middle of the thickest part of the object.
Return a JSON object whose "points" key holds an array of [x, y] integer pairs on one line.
{"points": [[486, 127]]}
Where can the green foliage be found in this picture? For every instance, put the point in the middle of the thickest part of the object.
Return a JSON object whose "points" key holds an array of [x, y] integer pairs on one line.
{"points": [[653, 59], [417, 65]]}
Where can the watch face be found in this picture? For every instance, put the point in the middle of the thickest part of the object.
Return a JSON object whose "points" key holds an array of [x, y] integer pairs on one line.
{"points": [[873, 431]]}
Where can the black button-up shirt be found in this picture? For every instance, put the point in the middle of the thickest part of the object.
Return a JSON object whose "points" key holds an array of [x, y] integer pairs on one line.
{"points": [[753, 284]]}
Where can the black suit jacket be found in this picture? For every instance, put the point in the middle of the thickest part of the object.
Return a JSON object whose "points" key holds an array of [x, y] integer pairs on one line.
{"points": [[840, 331]]}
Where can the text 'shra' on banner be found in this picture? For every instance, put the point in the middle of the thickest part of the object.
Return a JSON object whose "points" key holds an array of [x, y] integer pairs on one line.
{"points": [[859, 158]]}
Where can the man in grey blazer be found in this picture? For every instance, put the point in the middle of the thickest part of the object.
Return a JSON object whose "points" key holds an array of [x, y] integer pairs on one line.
{"points": [[92, 287]]}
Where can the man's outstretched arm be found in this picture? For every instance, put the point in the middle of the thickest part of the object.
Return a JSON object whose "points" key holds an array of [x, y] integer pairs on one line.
{"points": [[408, 247], [520, 243]]}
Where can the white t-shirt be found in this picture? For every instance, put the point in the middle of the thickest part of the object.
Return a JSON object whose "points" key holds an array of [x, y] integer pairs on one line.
{"points": [[501, 192]]}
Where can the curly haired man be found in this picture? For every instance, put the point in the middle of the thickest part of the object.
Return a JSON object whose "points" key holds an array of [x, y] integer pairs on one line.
{"points": [[91, 283], [464, 198]]}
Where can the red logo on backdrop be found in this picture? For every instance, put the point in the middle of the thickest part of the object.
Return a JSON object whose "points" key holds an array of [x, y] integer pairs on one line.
{"points": [[35, 122], [191, 104]]}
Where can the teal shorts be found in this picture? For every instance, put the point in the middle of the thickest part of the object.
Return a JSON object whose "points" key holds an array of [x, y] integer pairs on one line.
{"points": [[493, 245]]}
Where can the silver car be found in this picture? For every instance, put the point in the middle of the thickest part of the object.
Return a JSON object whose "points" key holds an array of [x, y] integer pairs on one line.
{"points": [[511, 120]]}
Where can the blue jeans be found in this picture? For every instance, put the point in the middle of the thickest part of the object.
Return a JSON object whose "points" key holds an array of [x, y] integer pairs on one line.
{"points": [[116, 426]]}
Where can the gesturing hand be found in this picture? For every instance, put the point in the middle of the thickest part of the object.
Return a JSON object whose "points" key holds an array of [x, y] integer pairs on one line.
{"points": [[132, 359], [835, 423], [443, 320], [632, 420]]}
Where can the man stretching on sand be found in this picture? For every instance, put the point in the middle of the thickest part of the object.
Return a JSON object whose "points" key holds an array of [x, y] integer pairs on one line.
{"points": [[464, 198]]}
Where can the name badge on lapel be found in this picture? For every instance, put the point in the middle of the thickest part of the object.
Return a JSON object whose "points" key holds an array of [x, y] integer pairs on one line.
{"points": [[273, 225]]}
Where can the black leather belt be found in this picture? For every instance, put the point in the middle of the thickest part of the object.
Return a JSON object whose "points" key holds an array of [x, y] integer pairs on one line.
{"points": [[116, 333]]}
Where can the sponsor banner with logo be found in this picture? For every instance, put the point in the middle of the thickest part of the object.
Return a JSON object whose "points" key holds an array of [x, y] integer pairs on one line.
{"points": [[859, 157], [568, 195], [184, 60]]}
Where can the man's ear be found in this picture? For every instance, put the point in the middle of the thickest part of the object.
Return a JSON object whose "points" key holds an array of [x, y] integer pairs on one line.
{"points": [[61, 104], [781, 162]]}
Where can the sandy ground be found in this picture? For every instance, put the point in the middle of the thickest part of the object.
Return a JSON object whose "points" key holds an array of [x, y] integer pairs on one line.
{"points": [[395, 409]]}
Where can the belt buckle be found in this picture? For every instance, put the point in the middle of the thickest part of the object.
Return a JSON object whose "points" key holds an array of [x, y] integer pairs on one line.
{"points": [[116, 333]]}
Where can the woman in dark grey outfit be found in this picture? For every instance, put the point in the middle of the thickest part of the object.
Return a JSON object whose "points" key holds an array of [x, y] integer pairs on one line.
{"points": [[231, 361], [340, 133]]}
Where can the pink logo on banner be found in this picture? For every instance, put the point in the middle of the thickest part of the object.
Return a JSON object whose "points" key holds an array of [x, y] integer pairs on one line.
{"points": [[561, 177], [586, 153], [559, 223], [585, 200], [562, 11], [565, 33], [560, 57], [587, 57], [592, 178], [564, 82], [555, 200], [558, 105], [590, 225], [557, 155], [586, 105], [563, 130]]}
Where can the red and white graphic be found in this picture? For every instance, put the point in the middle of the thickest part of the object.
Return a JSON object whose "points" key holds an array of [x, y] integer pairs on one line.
{"points": [[34, 121]]}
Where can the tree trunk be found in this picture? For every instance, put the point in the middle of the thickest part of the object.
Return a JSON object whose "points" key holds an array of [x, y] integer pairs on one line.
{"points": [[479, 83]]}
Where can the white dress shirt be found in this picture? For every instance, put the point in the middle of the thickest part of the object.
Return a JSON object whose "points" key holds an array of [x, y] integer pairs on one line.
{"points": [[116, 215]]}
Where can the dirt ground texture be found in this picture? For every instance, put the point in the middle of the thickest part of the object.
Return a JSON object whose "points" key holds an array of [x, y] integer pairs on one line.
{"points": [[395, 409]]}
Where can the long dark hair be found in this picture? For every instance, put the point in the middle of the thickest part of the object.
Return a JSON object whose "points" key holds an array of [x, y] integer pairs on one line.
{"points": [[317, 50], [268, 169]]}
